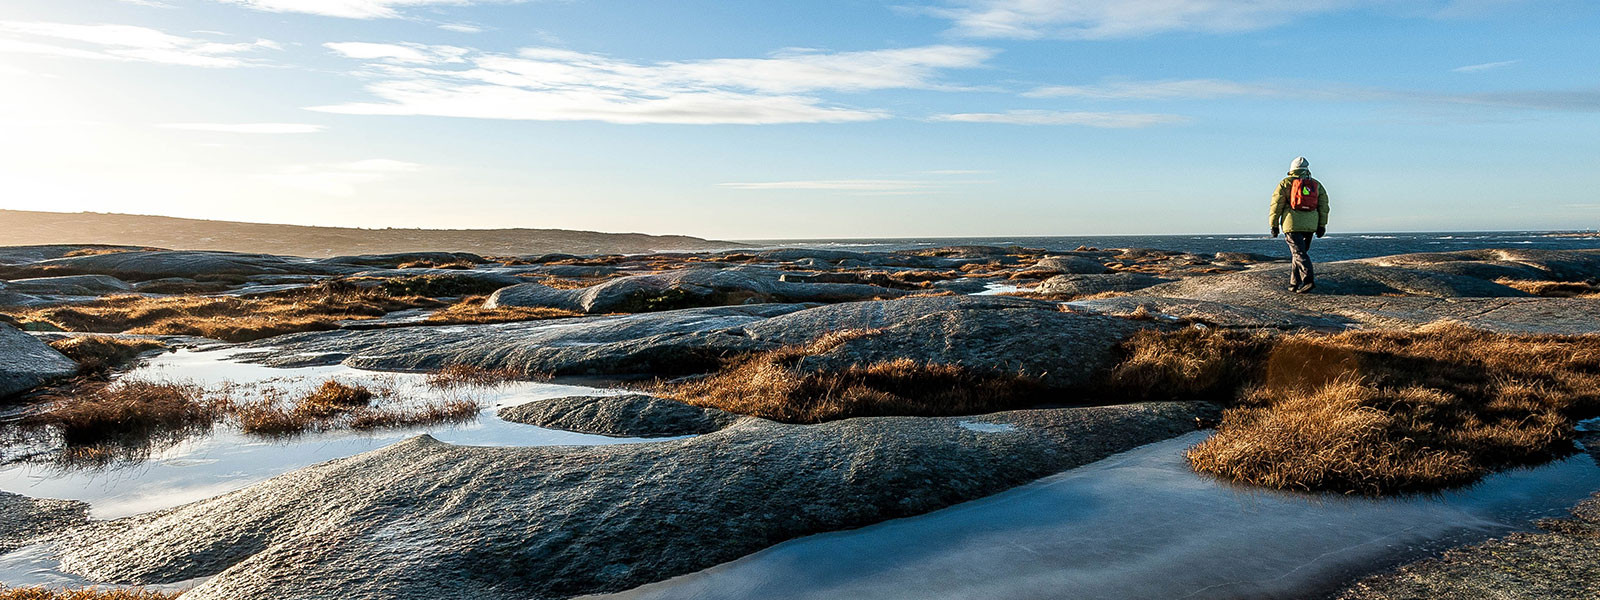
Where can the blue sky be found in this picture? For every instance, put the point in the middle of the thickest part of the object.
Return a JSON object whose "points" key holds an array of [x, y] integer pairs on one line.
{"points": [[804, 119]]}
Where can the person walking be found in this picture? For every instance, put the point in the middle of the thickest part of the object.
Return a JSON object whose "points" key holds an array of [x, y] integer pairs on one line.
{"points": [[1300, 210]]}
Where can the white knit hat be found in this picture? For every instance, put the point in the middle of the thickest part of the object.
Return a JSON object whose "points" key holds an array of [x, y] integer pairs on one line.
{"points": [[1300, 163]]}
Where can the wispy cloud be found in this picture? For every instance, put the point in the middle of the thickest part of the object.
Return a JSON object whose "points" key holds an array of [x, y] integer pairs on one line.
{"points": [[562, 85], [352, 9], [339, 179], [1097, 19], [261, 128], [847, 185], [461, 28], [957, 172], [1107, 120], [1155, 90], [1485, 66], [403, 53], [123, 43]]}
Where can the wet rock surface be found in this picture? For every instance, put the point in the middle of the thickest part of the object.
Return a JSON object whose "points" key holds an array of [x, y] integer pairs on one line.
{"points": [[192, 264], [26, 362], [633, 415], [24, 520], [1083, 285], [664, 342], [685, 288], [70, 285], [424, 519]]}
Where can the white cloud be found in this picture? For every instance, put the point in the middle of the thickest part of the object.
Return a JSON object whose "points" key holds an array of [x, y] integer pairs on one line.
{"points": [[461, 28], [1155, 90], [1106, 120], [562, 85], [266, 128], [1098, 19], [1485, 66], [350, 9], [849, 185], [405, 53], [122, 43], [340, 179]]}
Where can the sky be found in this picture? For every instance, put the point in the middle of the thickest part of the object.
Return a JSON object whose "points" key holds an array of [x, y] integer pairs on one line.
{"points": [[817, 119]]}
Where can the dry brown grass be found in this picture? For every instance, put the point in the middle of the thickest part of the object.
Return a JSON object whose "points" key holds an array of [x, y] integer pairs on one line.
{"points": [[94, 412], [1374, 412], [233, 319], [42, 593], [339, 405], [470, 310], [1554, 289], [428, 264], [100, 251], [775, 385], [457, 376], [99, 354]]}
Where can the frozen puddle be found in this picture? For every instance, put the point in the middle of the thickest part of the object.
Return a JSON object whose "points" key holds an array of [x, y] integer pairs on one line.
{"points": [[227, 459], [1136, 525]]}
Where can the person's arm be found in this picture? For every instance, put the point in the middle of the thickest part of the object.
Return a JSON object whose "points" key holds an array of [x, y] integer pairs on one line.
{"points": [[1280, 205], [1322, 211]]}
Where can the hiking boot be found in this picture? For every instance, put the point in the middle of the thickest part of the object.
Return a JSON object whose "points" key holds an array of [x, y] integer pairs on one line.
{"points": [[1294, 288], [1305, 289]]}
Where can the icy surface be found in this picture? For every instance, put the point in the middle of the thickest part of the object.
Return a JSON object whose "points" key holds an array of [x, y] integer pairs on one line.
{"points": [[227, 459], [1137, 525]]}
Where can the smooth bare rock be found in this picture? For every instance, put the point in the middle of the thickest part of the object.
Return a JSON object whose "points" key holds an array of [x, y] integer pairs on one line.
{"points": [[684, 288], [633, 415], [395, 259], [1215, 314], [1059, 349], [1533, 264], [681, 341], [70, 285], [806, 326], [795, 254], [576, 270], [1246, 257], [27, 363], [422, 519], [192, 264], [1083, 285], [18, 255], [24, 520], [1333, 279], [1069, 264]]}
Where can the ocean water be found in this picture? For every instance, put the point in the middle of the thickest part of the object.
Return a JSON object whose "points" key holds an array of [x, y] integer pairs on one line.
{"points": [[1337, 246]]}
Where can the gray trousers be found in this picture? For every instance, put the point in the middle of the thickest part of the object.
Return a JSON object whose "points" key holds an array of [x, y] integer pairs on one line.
{"points": [[1299, 249]]}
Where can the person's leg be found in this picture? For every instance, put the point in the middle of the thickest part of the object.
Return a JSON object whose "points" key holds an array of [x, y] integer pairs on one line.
{"points": [[1298, 259], [1310, 276]]}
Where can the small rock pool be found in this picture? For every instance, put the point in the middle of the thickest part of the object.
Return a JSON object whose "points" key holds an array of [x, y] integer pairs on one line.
{"points": [[1140, 524], [226, 459]]}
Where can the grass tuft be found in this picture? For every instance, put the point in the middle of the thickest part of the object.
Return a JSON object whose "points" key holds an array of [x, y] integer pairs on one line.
{"points": [[778, 385], [457, 376], [98, 354], [228, 318], [470, 311], [94, 413]]}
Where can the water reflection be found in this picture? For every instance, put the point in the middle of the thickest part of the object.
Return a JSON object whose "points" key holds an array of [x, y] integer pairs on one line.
{"points": [[223, 459]]}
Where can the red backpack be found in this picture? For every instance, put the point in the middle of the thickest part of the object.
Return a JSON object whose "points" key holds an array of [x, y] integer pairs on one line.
{"points": [[1304, 194]]}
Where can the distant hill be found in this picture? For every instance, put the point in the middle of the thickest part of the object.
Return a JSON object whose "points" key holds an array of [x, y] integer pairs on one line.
{"points": [[19, 227]]}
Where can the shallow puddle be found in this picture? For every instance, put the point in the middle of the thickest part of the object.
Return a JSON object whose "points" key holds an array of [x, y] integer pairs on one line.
{"points": [[1137, 525], [227, 459]]}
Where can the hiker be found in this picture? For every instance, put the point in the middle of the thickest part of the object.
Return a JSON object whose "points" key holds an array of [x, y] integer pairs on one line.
{"points": [[1300, 209]]}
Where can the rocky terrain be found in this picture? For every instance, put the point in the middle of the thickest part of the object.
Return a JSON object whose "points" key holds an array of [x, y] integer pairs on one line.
{"points": [[427, 519]]}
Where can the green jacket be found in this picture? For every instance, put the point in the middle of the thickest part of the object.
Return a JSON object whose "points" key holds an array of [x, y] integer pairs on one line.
{"points": [[1295, 220]]}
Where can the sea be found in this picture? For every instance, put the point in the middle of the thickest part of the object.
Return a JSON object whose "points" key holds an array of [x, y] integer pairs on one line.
{"points": [[1336, 246]]}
